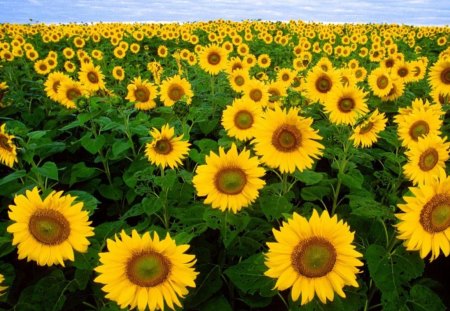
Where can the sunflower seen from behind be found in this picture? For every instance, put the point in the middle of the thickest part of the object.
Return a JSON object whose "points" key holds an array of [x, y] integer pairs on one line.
{"points": [[175, 89], [142, 93], [345, 105], [229, 180], [286, 141], [424, 220], [366, 133], [48, 230], [141, 271], [313, 258], [239, 119], [8, 150], [166, 149]]}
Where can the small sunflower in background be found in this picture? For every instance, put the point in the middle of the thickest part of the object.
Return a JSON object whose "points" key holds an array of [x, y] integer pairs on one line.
{"points": [[174, 89], [229, 180], [426, 159], [380, 82], [424, 221], [256, 91], [118, 73], [366, 133], [315, 257], [142, 93], [166, 149], [162, 51], [41, 67], [48, 231], [239, 119], [345, 105], [213, 59], [91, 77], [238, 79], [8, 151], [264, 61], [146, 272], [286, 141], [320, 83], [69, 91]]}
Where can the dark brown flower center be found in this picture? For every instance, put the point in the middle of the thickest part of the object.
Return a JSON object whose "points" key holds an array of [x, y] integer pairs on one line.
{"points": [[346, 104], [418, 129], [382, 82], [49, 226], [314, 257], [243, 120], [213, 58], [239, 80], [402, 72], [285, 77], [55, 86], [142, 94], [428, 159], [73, 93], [236, 66], [230, 181], [323, 84], [4, 143], [148, 269], [175, 92], [43, 67], [435, 214], [256, 95], [366, 128], [286, 138], [92, 77], [163, 146], [274, 95], [389, 63], [445, 76]]}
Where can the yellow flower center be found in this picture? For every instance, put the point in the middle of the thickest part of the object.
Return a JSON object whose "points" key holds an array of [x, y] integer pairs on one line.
{"points": [[428, 159], [382, 82], [324, 84], [445, 76], [256, 95], [142, 94], [243, 120], [230, 181], [73, 93], [175, 92], [435, 214], [92, 77], [286, 138], [163, 146], [213, 58], [314, 257], [49, 227], [148, 269], [346, 104], [4, 143], [418, 129]]}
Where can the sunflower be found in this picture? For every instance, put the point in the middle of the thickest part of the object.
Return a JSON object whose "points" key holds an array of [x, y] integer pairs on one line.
{"points": [[403, 71], [426, 160], [166, 149], [52, 84], [366, 134], [3, 90], [230, 181], [41, 67], [380, 82], [118, 73], [213, 59], [439, 76], [174, 89], [238, 78], [286, 141], [320, 83], [68, 53], [277, 91], [239, 119], [286, 75], [2, 288], [119, 53], [69, 66], [142, 93], [424, 221], [345, 105], [8, 152], [141, 271], [314, 257], [256, 92], [264, 61], [397, 90], [91, 77], [69, 91], [162, 51], [47, 231]]}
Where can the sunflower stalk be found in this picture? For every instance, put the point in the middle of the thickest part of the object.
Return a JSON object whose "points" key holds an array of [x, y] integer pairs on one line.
{"points": [[342, 166], [165, 191]]}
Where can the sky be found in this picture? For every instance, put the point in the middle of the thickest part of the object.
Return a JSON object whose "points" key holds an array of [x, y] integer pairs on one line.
{"points": [[414, 12]]}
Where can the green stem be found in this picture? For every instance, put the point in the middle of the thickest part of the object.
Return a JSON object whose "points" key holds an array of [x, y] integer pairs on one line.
{"points": [[342, 166], [165, 209], [129, 135]]}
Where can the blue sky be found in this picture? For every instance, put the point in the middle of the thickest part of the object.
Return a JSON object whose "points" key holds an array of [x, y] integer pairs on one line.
{"points": [[416, 12]]}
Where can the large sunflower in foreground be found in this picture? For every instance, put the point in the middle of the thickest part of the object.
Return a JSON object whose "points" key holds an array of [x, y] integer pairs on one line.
{"points": [[166, 149], [366, 134], [213, 59], [8, 152], [345, 105], [425, 219], [286, 141], [439, 76], [426, 160], [314, 257], [142, 93], [239, 118], [230, 181], [48, 231], [174, 89], [141, 271]]}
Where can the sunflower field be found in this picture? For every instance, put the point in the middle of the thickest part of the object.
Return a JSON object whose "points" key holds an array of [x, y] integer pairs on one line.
{"points": [[224, 166]]}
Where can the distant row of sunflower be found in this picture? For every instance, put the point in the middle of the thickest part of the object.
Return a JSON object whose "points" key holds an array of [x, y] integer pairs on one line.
{"points": [[340, 68]]}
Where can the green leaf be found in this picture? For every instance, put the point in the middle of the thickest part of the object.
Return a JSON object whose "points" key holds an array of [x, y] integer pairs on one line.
{"points": [[208, 283], [93, 145], [248, 276], [37, 134], [13, 176], [423, 298], [81, 172], [48, 169], [308, 177], [89, 201], [111, 192], [273, 206], [352, 179], [120, 146], [219, 303], [314, 193], [367, 207], [151, 205]]}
